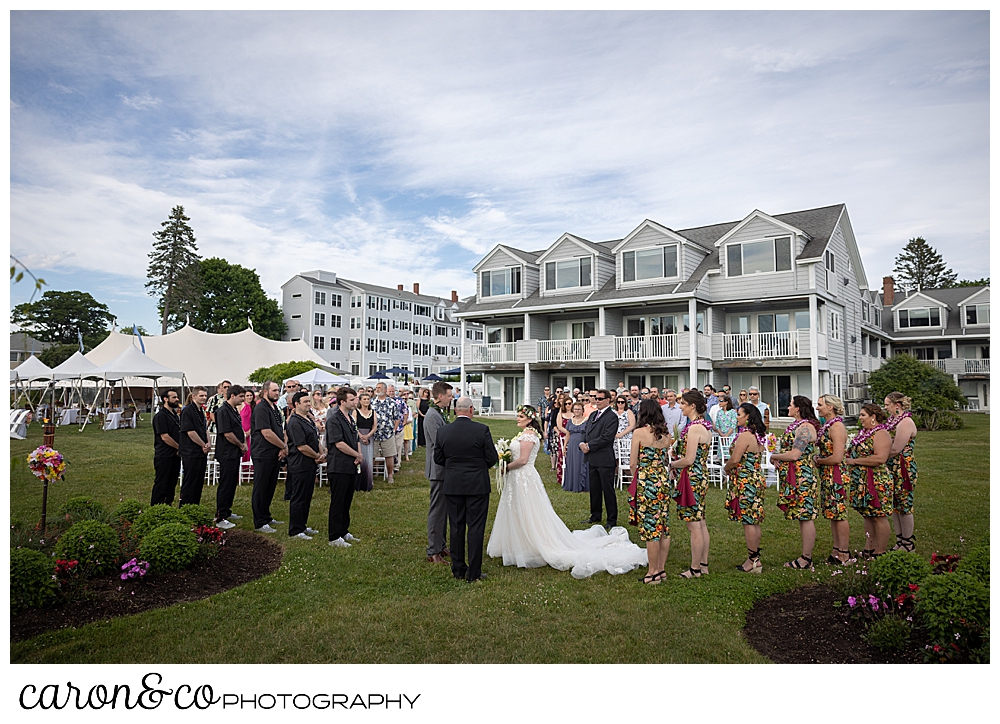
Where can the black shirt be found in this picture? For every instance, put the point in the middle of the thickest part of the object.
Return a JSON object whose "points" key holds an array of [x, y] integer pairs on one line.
{"points": [[265, 417], [301, 432], [227, 419], [165, 422], [193, 419], [341, 429]]}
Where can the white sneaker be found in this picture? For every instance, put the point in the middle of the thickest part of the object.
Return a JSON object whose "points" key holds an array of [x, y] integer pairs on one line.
{"points": [[340, 543], [266, 529], [225, 524], [349, 537], [303, 536], [235, 517], [277, 522], [312, 531]]}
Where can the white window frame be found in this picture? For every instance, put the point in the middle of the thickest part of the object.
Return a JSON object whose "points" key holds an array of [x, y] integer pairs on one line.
{"points": [[646, 280], [318, 342], [319, 319], [977, 323], [486, 281], [556, 275], [774, 256], [836, 325], [319, 298], [569, 328], [899, 313], [334, 344]]}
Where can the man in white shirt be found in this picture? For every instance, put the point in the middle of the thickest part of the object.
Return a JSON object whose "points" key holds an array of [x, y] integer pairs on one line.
{"points": [[672, 413], [765, 409]]}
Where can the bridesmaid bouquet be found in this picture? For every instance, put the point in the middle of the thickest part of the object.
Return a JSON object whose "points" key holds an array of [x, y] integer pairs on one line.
{"points": [[503, 451], [772, 442]]}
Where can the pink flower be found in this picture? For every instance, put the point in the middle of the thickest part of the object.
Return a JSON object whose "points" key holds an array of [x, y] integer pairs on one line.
{"points": [[852, 601]]}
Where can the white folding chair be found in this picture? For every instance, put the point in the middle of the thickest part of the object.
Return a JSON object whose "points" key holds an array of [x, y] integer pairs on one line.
{"points": [[770, 471], [379, 468], [486, 406], [623, 450], [717, 459], [246, 472], [321, 473], [17, 422]]}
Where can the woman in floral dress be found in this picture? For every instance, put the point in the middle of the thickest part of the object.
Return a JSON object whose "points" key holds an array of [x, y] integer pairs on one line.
{"points": [[871, 481], [798, 480], [831, 442], [691, 485], [745, 499], [902, 466], [650, 456], [562, 434]]}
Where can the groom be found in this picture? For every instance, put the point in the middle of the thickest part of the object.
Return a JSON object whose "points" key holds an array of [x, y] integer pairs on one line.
{"points": [[466, 451], [599, 453]]}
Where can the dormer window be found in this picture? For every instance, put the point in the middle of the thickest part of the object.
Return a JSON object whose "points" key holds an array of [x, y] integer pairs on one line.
{"points": [[501, 281], [568, 274], [757, 257], [657, 263], [922, 317], [977, 314]]}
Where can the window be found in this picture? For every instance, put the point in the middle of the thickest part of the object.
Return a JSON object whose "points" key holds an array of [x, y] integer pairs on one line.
{"points": [[355, 301], [355, 344], [924, 317], [425, 349], [355, 368], [453, 351], [320, 297], [296, 296], [657, 263], [371, 344], [701, 323], [383, 346], [395, 344], [864, 311], [372, 323], [372, 302], [426, 329], [977, 314], [335, 320], [757, 257], [355, 322], [802, 320], [876, 316], [336, 300], [335, 343], [637, 326], [319, 319], [14, 357], [383, 325], [421, 310], [454, 331], [568, 274], [372, 369], [479, 335], [501, 281], [573, 330], [835, 324], [440, 331], [440, 350], [296, 316], [830, 278], [318, 342], [440, 313]]}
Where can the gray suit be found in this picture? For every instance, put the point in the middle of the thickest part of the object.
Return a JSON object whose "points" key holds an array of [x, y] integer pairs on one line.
{"points": [[437, 515]]}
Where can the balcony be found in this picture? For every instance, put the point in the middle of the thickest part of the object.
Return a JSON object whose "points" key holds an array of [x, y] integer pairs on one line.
{"points": [[563, 350], [760, 345], [650, 347], [954, 366], [484, 354], [977, 366]]}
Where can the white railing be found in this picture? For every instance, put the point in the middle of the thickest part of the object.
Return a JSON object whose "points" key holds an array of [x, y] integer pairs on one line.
{"points": [[977, 366], [492, 353], [760, 345], [939, 363], [638, 348], [563, 350], [704, 346]]}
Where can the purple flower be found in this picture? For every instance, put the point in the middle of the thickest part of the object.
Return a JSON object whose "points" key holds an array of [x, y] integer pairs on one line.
{"points": [[873, 601], [851, 601]]}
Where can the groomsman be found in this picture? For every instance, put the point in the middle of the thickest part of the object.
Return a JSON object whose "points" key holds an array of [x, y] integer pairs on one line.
{"points": [[345, 461], [166, 447], [599, 452], [303, 457], [437, 514], [230, 445], [194, 446], [267, 449]]}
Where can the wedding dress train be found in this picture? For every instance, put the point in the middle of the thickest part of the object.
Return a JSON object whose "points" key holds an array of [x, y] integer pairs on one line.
{"points": [[528, 533]]}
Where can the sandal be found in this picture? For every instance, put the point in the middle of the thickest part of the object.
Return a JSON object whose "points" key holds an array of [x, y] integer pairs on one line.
{"points": [[691, 573], [798, 566], [704, 569], [654, 579], [834, 560], [755, 565], [905, 544]]}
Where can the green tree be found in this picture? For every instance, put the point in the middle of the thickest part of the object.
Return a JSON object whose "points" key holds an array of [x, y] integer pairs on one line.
{"points": [[174, 271], [919, 265], [281, 371], [929, 389], [57, 316], [230, 295], [984, 282]]}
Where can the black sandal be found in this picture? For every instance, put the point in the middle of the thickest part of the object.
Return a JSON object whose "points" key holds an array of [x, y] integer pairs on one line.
{"points": [[905, 544], [834, 561], [691, 573], [755, 565], [704, 569], [655, 578], [798, 566]]}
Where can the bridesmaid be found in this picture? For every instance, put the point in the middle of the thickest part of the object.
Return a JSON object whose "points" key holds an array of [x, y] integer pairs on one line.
{"points": [[565, 413], [746, 494], [871, 482], [650, 457], [798, 480], [832, 442], [692, 485], [576, 478], [902, 466]]}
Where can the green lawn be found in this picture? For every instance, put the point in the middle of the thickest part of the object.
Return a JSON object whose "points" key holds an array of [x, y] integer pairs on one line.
{"points": [[380, 602]]}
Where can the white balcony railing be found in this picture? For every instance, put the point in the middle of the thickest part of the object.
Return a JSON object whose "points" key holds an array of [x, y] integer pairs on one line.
{"points": [[760, 345], [977, 366], [638, 348], [480, 354], [939, 363], [563, 350]]}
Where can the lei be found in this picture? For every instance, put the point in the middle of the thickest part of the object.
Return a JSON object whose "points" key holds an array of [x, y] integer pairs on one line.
{"points": [[795, 425], [866, 433], [700, 421], [894, 421], [761, 439], [828, 424], [443, 411]]}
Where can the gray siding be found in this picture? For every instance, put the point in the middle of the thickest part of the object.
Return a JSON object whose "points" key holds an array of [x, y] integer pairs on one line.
{"points": [[539, 327], [691, 257], [605, 269], [758, 285], [300, 328], [614, 324], [529, 280]]}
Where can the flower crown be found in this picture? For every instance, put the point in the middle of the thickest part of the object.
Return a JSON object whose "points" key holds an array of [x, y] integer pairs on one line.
{"points": [[528, 411]]}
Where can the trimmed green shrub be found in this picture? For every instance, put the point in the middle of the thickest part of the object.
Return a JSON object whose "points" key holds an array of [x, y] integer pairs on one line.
{"points": [[896, 570], [82, 508], [155, 516], [170, 547], [31, 584], [127, 510], [888, 634], [198, 514], [93, 543], [943, 601], [977, 563]]}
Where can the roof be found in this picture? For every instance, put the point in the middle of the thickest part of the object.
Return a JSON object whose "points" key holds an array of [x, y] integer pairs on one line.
{"points": [[23, 342], [818, 223], [381, 291], [951, 298]]}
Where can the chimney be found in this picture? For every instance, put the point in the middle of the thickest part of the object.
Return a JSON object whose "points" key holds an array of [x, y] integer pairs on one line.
{"points": [[454, 296], [416, 288], [399, 287], [888, 291]]}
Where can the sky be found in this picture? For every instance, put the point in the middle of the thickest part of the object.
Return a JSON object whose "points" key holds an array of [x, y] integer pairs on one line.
{"points": [[397, 147]]}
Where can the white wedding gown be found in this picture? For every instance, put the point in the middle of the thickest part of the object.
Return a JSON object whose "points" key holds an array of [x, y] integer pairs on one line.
{"points": [[527, 532]]}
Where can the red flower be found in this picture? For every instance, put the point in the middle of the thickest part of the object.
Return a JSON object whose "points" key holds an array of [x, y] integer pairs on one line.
{"points": [[914, 587]]}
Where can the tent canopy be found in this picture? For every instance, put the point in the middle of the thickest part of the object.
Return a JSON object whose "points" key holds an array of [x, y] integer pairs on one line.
{"points": [[33, 369], [133, 363], [73, 368], [319, 377]]}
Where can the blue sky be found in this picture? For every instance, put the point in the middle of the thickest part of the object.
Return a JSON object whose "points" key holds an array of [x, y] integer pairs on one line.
{"points": [[397, 147]]}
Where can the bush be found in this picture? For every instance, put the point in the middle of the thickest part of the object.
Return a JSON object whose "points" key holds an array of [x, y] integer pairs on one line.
{"points": [[127, 510], [93, 543], [896, 570], [888, 634], [82, 508], [170, 547], [155, 516], [198, 514], [977, 563], [930, 389], [945, 601], [31, 584], [938, 420]]}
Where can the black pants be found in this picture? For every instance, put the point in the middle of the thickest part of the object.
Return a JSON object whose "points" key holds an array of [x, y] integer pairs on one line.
{"points": [[229, 478], [168, 469], [602, 481], [194, 479], [265, 480], [302, 484], [467, 511], [341, 494]]}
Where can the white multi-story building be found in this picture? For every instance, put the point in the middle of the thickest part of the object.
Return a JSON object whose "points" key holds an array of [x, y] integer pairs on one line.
{"points": [[364, 328]]}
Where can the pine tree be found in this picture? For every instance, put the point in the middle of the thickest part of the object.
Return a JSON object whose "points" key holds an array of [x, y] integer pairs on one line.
{"points": [[175, 270], [919, 265]]}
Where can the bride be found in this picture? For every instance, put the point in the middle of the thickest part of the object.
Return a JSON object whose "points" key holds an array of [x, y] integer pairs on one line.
{"points": [[528, 533]]}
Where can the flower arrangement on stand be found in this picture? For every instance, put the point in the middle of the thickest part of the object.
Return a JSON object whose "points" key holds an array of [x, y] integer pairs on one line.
{"points": [[506, 456], [47, 465]]}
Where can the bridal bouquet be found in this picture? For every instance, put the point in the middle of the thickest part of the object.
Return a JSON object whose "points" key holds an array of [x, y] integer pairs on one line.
{"points": [[503, 451], [772, 442], [46, 463]]}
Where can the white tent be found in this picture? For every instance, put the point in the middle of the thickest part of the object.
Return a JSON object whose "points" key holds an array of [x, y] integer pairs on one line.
{"points": [[74, 368], [319, 377], [131, 363], [31, 370]]}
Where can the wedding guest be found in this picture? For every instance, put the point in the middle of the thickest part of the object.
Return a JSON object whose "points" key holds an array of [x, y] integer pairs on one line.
{"points": [[385, 428], [230, 444], [902, 466], [765, 409], [345, 460], [284, 403], [267, 449], [692, 486], [831, 443], [711, 399], [744, 396], [598, 447], [552, 429], [726, 418], [565, 414], [672, 414], [798, 479], [213, 404], [650, 458], [304, 455], [408, 435], [194, 446], [626, 419], [246, 410], [871, 481], [437, 511], [542, 406], [423, 405], [576, 477], [634, 398], [745, 498], [318, 410], [364, 417], [620, 391], [588, 406], [166, 447]]}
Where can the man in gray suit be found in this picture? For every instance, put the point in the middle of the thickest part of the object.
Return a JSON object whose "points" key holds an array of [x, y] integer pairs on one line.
{"points": [[437, 515]]}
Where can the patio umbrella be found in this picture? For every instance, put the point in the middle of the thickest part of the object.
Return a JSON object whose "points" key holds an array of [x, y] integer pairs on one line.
{"points": [[378, 376], [456, 371], [431, 378]]}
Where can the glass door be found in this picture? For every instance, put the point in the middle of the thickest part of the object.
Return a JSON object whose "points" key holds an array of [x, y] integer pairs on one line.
{"points": [[513, 393]]}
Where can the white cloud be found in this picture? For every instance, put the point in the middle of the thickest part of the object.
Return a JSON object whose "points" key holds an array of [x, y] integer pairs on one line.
{"points": [[141, 102]]}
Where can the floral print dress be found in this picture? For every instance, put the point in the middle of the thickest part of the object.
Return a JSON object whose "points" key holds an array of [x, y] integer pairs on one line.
{"points": [[745, 498], [871, 487], [903, 469], [652, 505], [832, 481], [798, 481], [695, 476]]}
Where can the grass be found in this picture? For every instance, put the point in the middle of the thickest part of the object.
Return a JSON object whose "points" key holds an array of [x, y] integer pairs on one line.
{"points": [[380, 602]]}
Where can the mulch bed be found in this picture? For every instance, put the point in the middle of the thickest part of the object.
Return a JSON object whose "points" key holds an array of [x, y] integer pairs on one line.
{"points": [[245, 557], [803, 627]]}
